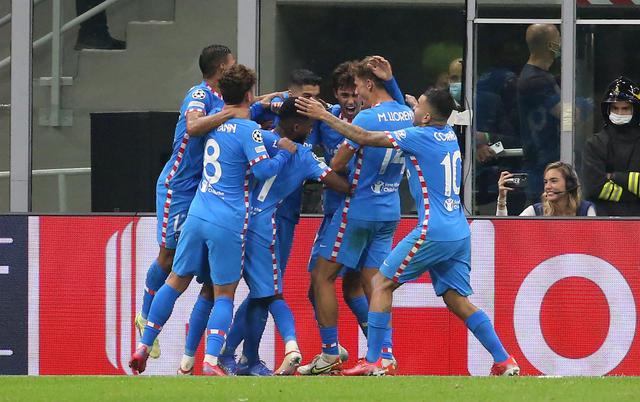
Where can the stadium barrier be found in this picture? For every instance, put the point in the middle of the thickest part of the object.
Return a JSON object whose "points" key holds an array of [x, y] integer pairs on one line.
{"points": [[563, 295]]}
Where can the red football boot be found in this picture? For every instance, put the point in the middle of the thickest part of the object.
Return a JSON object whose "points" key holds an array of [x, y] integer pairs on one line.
{"points": [[508, 367], [138, 360], [210, 370], [363, 367]]}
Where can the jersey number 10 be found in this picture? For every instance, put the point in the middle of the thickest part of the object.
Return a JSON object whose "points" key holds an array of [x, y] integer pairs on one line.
{"points": [[450, 163]]}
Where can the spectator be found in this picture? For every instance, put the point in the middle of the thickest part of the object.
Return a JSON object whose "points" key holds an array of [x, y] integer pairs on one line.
{"points": [[561, 195], [611, 158], [94, 32], [539, 102]]}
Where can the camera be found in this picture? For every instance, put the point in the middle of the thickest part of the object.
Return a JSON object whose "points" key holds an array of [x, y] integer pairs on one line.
{"points": [[518, 180]]}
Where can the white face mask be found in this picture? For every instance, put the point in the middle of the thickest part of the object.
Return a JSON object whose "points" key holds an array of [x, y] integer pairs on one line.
{"points": [[620, 119]]}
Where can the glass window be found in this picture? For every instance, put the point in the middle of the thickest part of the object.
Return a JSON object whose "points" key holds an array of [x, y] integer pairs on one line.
{"points": [[517, 104], [123, 74], [519, 9], [420, 57], [5, 108], [590, 9]]}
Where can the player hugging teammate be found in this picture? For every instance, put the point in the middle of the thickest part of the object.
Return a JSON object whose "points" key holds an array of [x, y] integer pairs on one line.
{"points": [[228, 202]]}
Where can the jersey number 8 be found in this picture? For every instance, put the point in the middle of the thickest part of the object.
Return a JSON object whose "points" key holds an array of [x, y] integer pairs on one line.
{"points": [[212, 170]]}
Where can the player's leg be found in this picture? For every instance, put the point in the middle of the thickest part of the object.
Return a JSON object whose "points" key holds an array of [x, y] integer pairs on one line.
{"points": [[227, 358], [250, 363], [285, 322], [355, 297], [189, 262], [451, 280], [226, 255], [197, 325]]}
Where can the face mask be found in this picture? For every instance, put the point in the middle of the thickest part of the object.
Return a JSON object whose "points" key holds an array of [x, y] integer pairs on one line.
{"points": [[620, 119], [455, 89]]}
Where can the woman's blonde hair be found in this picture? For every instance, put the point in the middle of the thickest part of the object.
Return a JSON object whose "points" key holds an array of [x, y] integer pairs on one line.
{"points": [[572, 188]]}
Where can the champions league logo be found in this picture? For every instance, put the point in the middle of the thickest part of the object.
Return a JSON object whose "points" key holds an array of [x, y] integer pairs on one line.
{"points": [[198, 94], [257, 136]]}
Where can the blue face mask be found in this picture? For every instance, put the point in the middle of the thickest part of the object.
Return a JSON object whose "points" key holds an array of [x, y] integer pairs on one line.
{"points": [[455, 89]]}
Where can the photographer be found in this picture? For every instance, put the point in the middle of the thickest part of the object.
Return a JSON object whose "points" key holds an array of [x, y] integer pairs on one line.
{"points": [[561, 195]]}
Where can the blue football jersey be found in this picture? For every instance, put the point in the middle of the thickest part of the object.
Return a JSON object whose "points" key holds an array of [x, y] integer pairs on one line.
{"points": [[330, 140], [268, 196], [434, 164], [378, 171], [230, 150], [183, 170]]}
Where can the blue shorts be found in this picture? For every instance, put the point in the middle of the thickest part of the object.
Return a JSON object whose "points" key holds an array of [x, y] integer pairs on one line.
{"points": [[204, 244], [171, 210], [262, 270], [364, 244], [284, 231], [316, 243], [448, 263]]}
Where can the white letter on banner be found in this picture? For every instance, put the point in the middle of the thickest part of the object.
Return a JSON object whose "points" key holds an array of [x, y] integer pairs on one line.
{"points": [[528, 304]]}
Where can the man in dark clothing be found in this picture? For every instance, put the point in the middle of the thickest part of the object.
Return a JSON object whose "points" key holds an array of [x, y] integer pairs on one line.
{"points": [[611, 159], [539, 105], [94, 32]]}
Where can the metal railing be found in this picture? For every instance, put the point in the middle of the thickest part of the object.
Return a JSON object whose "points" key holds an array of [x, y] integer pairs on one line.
{"points": [[62, 180]]}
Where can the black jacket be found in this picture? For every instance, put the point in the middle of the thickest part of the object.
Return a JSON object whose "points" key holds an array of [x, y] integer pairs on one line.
{"points": [[613, 150]]}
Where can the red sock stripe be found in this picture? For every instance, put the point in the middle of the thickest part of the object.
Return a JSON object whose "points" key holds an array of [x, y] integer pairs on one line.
{"points": [[150, 291], [154, 325], [347, 202], [217, 332], [329, 345], [425, 223], [387, 350]]}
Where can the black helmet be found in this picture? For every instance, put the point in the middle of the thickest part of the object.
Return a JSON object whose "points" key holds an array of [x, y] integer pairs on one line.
{"points": [[622, 89]]}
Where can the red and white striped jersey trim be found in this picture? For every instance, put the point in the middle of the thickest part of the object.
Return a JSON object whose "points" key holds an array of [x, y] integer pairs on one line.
{"points": [[176, 164], [165, 217], [392, 140], [258, 159], [325, 173], [214, 92], [425, 223], [245, 225], [347, 201], [217, 332], [347, 144], [272, 248]]}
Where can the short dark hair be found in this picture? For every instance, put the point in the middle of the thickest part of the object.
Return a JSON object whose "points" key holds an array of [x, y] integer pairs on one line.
{"points": [[343, 76], [288, 110], [362, 70], [303, 76], [211, 58], [235, 82], [441, 102]]}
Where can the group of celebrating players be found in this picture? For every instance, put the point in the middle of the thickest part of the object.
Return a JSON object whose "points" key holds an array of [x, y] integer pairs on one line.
{"points": [[229, 198]]}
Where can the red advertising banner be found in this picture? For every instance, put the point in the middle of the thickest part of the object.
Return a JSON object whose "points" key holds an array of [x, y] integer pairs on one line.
{"points": [[563, 296]]}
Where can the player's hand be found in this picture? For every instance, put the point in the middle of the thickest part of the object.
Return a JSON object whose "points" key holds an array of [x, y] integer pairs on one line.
{"points": [[502, 188], [381, 68], [287, 145], [311, 108], [411, 101], [265, 102]]}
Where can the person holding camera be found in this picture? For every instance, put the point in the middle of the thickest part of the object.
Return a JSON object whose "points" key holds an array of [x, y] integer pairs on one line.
{"points": [[561, 195]]}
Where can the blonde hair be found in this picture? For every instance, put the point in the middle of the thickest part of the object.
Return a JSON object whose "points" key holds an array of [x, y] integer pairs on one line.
{"points": [[572, 188]]}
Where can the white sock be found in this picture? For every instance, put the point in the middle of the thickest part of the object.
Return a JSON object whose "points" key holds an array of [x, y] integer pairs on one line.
{"points": [[187, 362], [330, 358], [386, 362], [290, 346], [211, 359]]}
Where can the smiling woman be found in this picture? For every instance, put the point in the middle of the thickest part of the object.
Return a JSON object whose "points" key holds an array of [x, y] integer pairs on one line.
{"points": [[561, 195]]}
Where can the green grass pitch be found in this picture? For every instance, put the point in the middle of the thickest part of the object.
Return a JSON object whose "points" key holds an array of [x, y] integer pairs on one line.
{"points": [[388, 389]]}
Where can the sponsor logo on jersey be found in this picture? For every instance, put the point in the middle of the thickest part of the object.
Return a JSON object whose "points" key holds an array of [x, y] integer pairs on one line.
{"points": [[380, 187], [448, 136], [199, 94], [257, 136], [395, 116], [450, 204]]}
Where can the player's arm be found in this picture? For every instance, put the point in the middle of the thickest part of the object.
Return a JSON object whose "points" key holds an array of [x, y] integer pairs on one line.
{"points": [[382, 69], [198, 124], [342, 157], [264, 167], [314, 109], [336, 182]]}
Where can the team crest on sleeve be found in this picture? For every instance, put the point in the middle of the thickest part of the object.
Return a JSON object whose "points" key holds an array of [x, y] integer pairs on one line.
{"points": [[401, 134], [198, 94], [257, 136]]}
